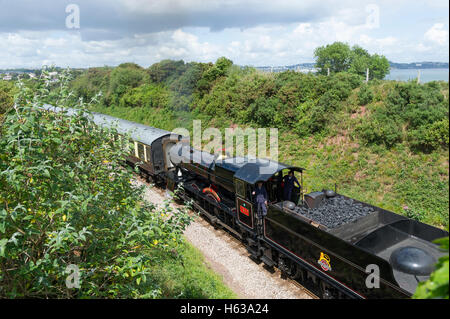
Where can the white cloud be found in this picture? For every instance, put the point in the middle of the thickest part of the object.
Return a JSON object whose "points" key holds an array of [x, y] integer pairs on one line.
{"points": [[437, 34], [252, 32]]}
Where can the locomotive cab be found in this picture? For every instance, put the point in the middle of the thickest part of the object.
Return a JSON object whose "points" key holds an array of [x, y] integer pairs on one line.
{"points": [[271, 175]]}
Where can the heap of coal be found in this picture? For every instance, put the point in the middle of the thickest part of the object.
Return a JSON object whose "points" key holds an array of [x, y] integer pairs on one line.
{"points": [[336, 211]]}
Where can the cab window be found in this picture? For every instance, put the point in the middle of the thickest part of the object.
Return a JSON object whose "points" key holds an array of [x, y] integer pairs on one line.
{"points": [[240, 188]]}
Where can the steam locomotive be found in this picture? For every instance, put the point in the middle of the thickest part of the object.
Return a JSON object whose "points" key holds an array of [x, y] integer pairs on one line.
{"points": [[343, 247]]}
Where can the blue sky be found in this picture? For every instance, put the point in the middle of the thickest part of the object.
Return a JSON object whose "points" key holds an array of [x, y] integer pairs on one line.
{"points": [[250, 32]]}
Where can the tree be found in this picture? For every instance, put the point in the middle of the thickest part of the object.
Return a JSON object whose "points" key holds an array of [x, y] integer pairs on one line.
{"points": [[90, 83], [379, 67], [66, 200], [123, 78], [223, 64], [166, 70], [212, 73], [185, 84], [147, 95], [360, 61], [336, 57], [339, 57]]}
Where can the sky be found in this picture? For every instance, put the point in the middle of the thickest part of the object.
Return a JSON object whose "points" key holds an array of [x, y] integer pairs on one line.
{"points": [[88, 33]]}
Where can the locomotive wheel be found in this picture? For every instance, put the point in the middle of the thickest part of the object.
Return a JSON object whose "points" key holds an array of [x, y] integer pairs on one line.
{"points": [[324, 291], [216, 214], [299, 274]]}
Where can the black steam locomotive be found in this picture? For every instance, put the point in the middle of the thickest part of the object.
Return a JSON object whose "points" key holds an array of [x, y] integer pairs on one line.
{"points": [[343, 247]]}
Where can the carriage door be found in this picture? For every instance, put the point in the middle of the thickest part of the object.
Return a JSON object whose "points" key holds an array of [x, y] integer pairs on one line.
{"points": [[157, 156], [244, 206]]}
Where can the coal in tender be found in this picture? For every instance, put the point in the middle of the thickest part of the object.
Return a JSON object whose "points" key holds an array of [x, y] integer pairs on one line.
{"points": [[336, 211]]}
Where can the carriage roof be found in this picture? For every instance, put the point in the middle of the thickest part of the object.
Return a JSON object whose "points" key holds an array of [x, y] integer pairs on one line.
{"points": [[138, 132]]}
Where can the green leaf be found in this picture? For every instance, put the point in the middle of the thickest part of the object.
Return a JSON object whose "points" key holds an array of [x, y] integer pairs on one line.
{"points": [[3, 243], [438, 283]]}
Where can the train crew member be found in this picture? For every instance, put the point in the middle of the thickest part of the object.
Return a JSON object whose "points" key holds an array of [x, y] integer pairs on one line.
{"points": [[289, 181], [261, 199]]}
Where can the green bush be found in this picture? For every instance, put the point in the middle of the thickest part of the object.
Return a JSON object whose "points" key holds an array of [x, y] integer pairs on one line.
{"points": [[90, 83], [264, 111], [430, 137], [305, 103], [66, 200], [166, 71], [323, 111], [186, 83], [347, 81], [365, 95], [147, 95], [381, 129], [212, 73], [419, 109]]}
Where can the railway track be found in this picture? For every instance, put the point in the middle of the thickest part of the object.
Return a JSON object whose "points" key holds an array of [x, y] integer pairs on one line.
{"points": [[231, 239]]}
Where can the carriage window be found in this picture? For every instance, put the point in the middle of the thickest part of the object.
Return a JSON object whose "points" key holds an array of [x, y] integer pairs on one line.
{"points": [[240, 188], [141, 151], [131, 147], [147, 153]]}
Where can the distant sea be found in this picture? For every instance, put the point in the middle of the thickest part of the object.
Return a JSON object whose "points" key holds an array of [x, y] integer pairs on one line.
{"points": [[426, 75]]}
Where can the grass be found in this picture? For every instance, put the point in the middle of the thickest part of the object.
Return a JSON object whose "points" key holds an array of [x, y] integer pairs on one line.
{"points": [[391, 179], [191, 279]]}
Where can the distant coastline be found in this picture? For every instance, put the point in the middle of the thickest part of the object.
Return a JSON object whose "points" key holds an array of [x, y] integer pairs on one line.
{"points": [[429, 71], [419, 65]]}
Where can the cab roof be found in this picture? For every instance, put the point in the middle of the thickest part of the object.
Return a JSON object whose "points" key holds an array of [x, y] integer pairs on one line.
{"points": [[253, 170]]}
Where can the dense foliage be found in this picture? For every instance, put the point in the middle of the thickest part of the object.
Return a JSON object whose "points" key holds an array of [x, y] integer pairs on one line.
{"points": [[411, 112], [306, 104], [7, 91], [65, 199]]}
